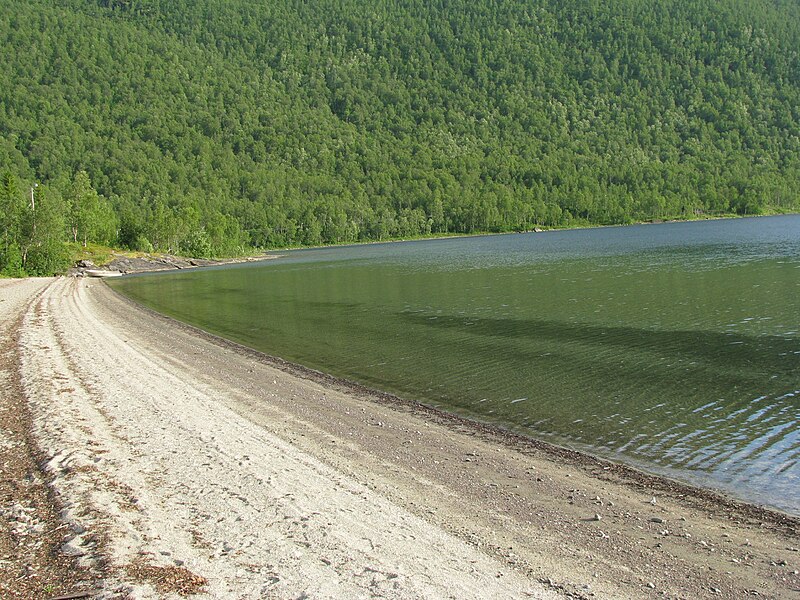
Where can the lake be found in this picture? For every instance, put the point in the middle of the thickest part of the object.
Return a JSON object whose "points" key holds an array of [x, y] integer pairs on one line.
{"points": [[673, 347]]}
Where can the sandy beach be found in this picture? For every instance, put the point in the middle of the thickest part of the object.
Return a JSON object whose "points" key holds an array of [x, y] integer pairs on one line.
{"points": [[143, 458]]}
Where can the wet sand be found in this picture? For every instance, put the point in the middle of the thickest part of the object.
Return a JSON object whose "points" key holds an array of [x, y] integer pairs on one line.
{"points": [[176, 462]]}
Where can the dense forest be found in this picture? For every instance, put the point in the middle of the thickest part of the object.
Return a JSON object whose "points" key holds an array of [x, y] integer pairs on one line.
{"points": [[211, 127]]}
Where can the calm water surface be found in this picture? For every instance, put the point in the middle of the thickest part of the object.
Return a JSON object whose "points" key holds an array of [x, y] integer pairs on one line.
{"points": [[674, 347]]}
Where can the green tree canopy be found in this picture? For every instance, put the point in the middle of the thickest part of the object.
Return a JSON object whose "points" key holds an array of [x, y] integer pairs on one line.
{"points": [[210, 125]]}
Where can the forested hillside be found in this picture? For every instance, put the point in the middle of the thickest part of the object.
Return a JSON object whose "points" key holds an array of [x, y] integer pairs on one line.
{"points": [[210, 126]]}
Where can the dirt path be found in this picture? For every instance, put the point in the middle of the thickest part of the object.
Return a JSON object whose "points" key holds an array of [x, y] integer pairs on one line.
{"points": [[183, 463]]}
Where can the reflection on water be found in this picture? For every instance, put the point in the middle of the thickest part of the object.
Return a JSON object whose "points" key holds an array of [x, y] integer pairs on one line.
{"points": [[672, 346]]}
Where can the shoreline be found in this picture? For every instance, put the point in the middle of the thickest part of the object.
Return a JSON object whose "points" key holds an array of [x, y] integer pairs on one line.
{"points": [[180, 461], [634, 474], [721, 488]]}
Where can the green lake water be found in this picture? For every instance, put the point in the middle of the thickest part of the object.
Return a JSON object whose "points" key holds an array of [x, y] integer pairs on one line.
{"points": [[673, 347]]}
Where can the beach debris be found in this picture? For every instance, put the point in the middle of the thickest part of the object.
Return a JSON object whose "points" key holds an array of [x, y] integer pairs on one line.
{"points": [[656, 520], [651, 585], [69, 549], [778, 563], [653, 501], [597, 517]]}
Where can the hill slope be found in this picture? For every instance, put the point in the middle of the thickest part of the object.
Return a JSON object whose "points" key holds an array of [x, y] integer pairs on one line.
{"points": [[216, 124]]}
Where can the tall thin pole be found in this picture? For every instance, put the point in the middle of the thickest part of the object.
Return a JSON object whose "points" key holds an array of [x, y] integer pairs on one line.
{"points": [[33, 208]]}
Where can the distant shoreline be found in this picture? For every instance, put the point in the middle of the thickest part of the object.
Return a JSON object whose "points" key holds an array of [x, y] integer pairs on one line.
{"points": [[149, 263], [536, 229]]}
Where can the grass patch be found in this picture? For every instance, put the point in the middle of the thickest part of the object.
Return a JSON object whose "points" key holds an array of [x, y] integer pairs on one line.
{"points": [[97, 253]]}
